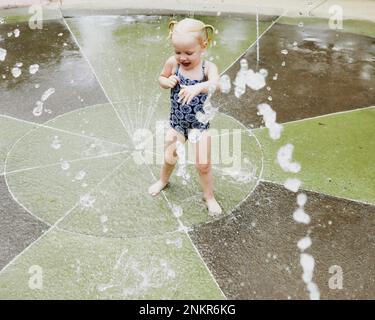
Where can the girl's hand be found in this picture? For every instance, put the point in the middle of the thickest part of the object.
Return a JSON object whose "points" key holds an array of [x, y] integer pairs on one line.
{"points": [[187, 93], [172, 81]]}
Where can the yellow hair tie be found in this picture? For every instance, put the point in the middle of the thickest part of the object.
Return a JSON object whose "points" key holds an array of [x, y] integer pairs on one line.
{"points": [[209, 35], [171, 26]]}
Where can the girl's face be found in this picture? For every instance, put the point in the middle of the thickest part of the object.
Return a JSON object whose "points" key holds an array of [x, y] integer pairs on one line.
{"points": [[188, 50]]}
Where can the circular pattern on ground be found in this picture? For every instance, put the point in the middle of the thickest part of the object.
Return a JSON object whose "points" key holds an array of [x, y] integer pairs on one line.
{"points": [[81, 176]]}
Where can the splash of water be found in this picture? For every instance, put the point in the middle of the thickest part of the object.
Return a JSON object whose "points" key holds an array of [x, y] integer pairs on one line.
{"points": [[269, 118], [33, 68], [304, 243], [16, 72], [80, 175], [225, 84], [284, 158], [87, 201], [292, 184], [56, 143], [3, 54]]}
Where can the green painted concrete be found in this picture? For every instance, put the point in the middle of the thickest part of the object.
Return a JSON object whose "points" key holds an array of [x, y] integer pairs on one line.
{"points": [[11, 131], [233, 181], [128, 57], [336, 153], [362, 27], [84, 267]]}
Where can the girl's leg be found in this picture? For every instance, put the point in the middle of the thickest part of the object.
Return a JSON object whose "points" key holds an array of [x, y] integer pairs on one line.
{"points": [[170, 159], [203, 165]]}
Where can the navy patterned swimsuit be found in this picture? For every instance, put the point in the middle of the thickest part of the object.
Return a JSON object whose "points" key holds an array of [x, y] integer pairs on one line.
{"points": [[183, 116]]}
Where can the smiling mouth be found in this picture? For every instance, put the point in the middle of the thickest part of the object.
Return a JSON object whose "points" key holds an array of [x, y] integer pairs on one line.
{"points": [[185, 64]]}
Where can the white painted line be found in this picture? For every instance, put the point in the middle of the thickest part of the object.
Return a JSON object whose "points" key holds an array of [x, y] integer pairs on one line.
{"points": [[37, 125], [327, 115], [251, 45], [54, 226], [97, 78], [107, 155], [322, 193], [187, 234]]}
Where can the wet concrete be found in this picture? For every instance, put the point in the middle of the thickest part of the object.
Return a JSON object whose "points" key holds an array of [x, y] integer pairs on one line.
{"points": [[18, 227], [325, 72], [253, 254], [61, 66]]}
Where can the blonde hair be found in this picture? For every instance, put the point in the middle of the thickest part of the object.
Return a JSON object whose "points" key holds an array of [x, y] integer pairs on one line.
{"points": [[204, 32]]}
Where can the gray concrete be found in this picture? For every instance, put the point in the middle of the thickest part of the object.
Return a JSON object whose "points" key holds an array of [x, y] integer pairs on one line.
{"points": [[327, 72], [61, 66], [18, 227], [253, 254]]}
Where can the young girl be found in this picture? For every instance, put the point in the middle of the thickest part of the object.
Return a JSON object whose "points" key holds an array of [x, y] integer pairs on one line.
{"points": [[189, 77]]}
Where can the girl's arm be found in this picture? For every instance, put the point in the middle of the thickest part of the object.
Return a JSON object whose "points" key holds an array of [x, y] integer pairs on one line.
{"points": [[213, 79], [166, 79]]}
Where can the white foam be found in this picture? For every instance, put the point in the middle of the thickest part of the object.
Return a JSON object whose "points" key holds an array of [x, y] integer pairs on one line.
{"points": [[3, 54], [304, 243], [300, 216], [284, 51], [34, 68], [60, 34], [284, 158], [292, 184], [275, 76], [16, 72], [16, 33], [18, 64], [103, 218]]}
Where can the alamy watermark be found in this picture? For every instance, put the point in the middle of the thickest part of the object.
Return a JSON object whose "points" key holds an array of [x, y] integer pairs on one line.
{"points": [[335, 282], [36, 20], [225, 146], [36, 277], [336, 14]]}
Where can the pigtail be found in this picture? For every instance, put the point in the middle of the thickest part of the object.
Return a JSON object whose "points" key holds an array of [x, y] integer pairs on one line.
{"points": [[209, 31], [171, 27]]}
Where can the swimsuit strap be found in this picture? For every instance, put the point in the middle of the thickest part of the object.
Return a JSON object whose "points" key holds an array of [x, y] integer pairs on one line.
{"points": [[203, 67], [178, 68]]}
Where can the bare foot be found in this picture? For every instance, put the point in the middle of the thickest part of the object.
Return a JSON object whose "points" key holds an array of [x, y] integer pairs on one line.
{"points": [[157, 187], [214, 208]]}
